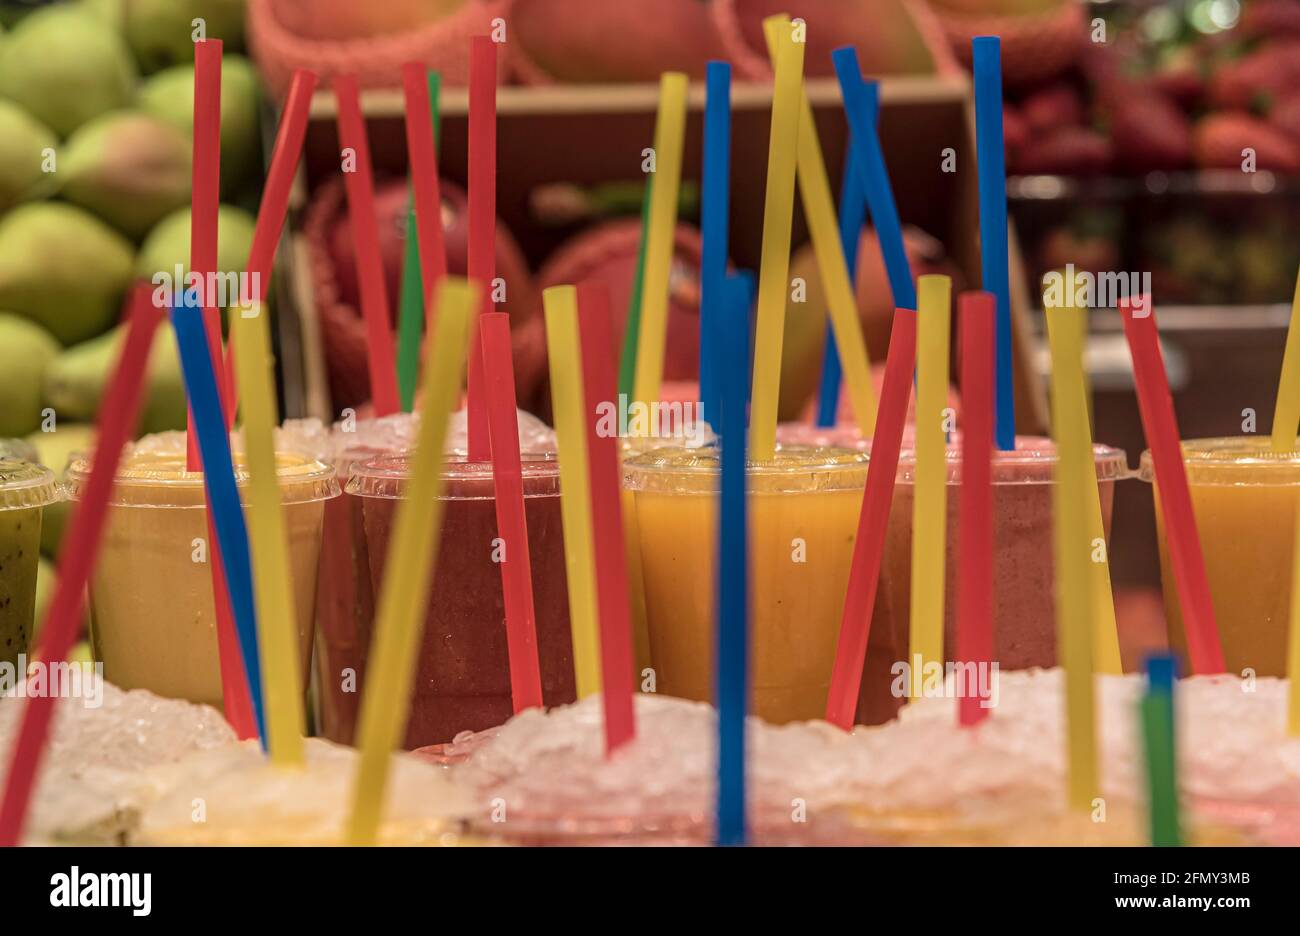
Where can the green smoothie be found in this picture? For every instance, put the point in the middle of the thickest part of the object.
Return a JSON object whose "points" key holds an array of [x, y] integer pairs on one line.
{"points": [[24, 490]]}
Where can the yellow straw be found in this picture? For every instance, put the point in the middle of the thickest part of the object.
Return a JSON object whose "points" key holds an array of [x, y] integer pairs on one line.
{"points": [[1073, 537], [670, 128], [411, 557], [774, 269], [930, 490], [1106, 658], [1286, 411], [561, 305], [277, 622], [819, 210]]}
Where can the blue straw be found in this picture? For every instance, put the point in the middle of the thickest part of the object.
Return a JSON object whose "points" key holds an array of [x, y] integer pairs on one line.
{"points": [[219, 480], [733, 586], [853, 211], [874, 176], [1162, 668], [993, 220], [713, 224]]}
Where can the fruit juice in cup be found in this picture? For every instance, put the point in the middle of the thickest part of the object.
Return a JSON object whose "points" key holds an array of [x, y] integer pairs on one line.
{"points": [[1244, 497], [803, 519], [463, 680], [153, 621], [1024, 613], [25, 489]]}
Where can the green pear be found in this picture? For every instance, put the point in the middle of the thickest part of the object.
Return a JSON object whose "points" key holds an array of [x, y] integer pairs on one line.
{"points": [[24, 145], [162, 32], [75, 381], [46, 576], [54, 449], [26, 351], [63, 67], [129, 168], [62, 268], [110, 12], [169, 95], [168, 246]]}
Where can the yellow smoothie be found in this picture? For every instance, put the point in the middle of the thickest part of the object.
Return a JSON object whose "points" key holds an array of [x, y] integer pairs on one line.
{"points": [[153, 622], [1244, 497], [803, 517]]}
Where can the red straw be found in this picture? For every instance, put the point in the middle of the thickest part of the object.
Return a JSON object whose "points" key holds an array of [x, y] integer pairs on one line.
{"points": [[1156, 405], [205, 202], [117, 420], [975, 497], [864, 575], [275, 199], [422, 153], [360, 185], [482, 216], [600, 384], [512, 525]]}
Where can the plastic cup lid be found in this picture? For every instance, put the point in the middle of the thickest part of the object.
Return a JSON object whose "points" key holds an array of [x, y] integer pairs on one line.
{"points": [[386, 476], [1233, 460], [160, 479], [793, 469], [20, 449], [24, 485]]}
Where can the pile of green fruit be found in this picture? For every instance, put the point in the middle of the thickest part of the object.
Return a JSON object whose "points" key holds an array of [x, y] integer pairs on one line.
{"points": [[96, 117]]}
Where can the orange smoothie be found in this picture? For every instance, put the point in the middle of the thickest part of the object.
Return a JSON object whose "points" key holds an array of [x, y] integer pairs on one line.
{"points": [[153, 622], [1244, 497], [803, 518]]}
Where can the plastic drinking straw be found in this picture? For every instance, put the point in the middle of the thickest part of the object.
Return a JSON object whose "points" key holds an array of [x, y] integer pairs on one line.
{"points": [[269, 541], [360, 187], [929, 506], [275, 197], [774, 271], [975, 497], [410, 316], [115, 425], [874, 175], [1066, 327], [732, 654], [1073, 554], [225, 513], [562, 348], [853, 211], [1286, 411], [828, 245], [421, 90], [869, 546], [1156, 407], [669, 132], [714, 199], [481, 260], [991, 157], [600, 386], [408, 575], [512, 524], [632, 330], [1160, 747]]}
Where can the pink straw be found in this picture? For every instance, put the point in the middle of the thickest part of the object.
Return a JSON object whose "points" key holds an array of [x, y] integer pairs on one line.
{"points": [[360, 186], [117, 421], [481, 248], [512, 523], [1156, 406], [864, 574], [422, 154], [601, 385], [975, 498]]}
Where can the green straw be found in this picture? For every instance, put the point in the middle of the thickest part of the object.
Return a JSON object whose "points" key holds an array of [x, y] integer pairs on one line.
{"points": [[1162, 778], [410, 321], [627, 366]]}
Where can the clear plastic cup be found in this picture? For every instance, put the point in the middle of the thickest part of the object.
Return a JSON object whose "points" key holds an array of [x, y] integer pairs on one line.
{"points": [[1244, 498], [25, 490], [803, 519], [1024, 596], [463, 679], [153, 621]]}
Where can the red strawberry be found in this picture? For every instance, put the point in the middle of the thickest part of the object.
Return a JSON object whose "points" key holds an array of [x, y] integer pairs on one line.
{"points": [[1285, 115], [1266, 18], [1066, 151], [1057, 105], [1259, 78], [1149, 132], [1221, 138]]}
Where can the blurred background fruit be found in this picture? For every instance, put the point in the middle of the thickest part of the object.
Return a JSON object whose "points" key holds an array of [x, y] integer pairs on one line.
{"points": [[26, 351], [24, 143], [54, 449]]}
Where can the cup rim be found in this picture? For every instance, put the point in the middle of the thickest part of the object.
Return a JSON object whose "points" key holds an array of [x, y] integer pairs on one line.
{"points": [[37, 488], [1222, 460], [163, 476], [386, 475]]}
